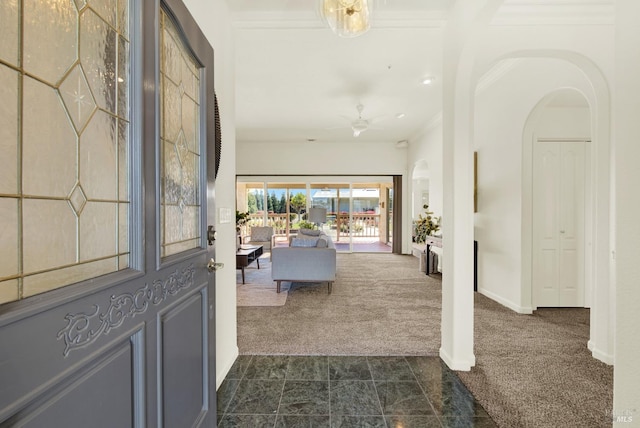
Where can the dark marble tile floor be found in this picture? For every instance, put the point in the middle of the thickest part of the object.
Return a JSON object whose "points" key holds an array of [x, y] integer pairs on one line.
{"points": [[351, 392]]}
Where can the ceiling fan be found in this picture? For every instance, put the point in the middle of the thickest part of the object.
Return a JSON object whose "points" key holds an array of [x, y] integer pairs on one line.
{"points": [[359, 125]]}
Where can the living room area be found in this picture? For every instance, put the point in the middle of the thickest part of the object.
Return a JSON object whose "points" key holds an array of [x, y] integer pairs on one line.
{"points": [[555, 108]]}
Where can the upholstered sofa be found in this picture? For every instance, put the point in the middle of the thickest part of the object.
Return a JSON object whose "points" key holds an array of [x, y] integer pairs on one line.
{"points": [[310, 257]]}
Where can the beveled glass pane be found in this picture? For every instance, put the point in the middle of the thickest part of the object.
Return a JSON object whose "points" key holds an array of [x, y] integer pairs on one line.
{"points": [[180, 247], [9, 291], [171, 54], [189, 112], [77, 97], [64, 163], [9, 237], [123, 262], [49, 147], [173, 224], [98, 225], [49, 234], [123, 18], [8, 130], [171, 117], [123, 160], [40, 283], [172, 176], [50, 38], [98, 58], [190, 222], [190, 175], [98, 166], [9, 30], [106, 9], [180, 165], [123, 78], [123, 228]]}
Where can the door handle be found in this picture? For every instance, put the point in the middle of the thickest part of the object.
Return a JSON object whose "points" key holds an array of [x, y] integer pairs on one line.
{"points": [[213, 266], [562, 231]]}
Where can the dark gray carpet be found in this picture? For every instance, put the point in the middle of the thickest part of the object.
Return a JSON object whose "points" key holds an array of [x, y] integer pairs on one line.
{"points": [[531, 370], [536, 371]]}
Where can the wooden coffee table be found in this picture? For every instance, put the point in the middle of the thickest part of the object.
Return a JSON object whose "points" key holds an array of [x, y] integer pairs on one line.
{"points": [[246, 255]]}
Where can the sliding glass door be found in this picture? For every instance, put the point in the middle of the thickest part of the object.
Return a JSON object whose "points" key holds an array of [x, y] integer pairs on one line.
{"points": [[358, 215]]}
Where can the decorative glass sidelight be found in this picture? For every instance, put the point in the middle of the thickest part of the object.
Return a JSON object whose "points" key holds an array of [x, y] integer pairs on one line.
{"points": [[64, 139], [180, 207]]}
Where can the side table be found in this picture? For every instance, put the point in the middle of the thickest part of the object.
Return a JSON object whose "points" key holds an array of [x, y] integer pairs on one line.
{"points": [[246, 255]]}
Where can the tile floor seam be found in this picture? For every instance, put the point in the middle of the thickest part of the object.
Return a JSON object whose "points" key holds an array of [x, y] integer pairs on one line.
{"points": [[284, 382], [329, 389], [375, 388], [440, 420]]}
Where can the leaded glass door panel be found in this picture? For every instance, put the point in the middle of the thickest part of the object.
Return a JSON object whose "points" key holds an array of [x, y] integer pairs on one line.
{"points": [[106, 303]]}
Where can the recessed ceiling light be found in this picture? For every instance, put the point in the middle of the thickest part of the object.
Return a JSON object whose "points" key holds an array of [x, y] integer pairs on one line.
{"points": [[428, 80], [400, 115]]}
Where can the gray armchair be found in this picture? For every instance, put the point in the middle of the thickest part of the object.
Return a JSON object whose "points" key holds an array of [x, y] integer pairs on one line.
{"points": [[261, 235]]}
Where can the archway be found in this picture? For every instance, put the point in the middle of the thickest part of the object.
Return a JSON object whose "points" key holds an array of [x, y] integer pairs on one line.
{"points": [[592, 85], [470, 61]]}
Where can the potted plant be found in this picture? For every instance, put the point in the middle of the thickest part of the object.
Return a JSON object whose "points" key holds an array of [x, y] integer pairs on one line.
{"points": [[241, 219], [426, 225]]}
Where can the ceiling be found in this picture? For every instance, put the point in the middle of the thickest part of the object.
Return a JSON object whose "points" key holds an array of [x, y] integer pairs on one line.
{"points": [[296, 80]]}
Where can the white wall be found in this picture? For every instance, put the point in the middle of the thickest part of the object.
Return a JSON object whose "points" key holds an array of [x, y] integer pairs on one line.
{"points": [[500, 119], [564, 123], [626, 108], [324, 158], [427, 146], [214, 19]]}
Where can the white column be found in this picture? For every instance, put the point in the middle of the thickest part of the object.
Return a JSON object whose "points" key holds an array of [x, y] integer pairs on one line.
{"points": [[626, 105], [467, 21], [457, 212]]}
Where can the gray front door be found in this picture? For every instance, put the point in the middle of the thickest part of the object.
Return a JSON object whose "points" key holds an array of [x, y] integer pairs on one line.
{"points": [[107, 134]]}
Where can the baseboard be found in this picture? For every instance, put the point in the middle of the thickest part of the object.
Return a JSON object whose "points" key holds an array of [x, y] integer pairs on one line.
{"points": [[601, 356], [221, 372], [504, 302], [590, 345], [459, 365]]}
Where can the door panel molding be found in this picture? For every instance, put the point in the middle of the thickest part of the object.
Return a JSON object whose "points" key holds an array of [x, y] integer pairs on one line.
{"points": [[181, 385], [84, 328]]}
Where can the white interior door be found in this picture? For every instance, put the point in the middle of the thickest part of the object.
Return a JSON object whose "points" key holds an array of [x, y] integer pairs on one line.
{"points": [[558, 225]]}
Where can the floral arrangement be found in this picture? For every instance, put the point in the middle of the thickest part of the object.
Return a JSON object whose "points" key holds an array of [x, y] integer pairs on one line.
{"points": [[426, 225], [241, 218]]}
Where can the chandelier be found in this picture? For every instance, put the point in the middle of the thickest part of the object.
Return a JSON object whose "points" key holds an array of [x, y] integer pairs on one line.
{"points": [[347, 18]]}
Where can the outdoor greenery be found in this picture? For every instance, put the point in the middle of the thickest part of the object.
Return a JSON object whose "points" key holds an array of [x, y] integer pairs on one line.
{"points": [[241, 218], [305, 225], [255, 203], [426, 225]]}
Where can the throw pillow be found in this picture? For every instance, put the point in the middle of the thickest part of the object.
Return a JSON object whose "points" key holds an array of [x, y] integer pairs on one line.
{"points": [[297, 242], [260, 234], [309, 232], [322, 243]]}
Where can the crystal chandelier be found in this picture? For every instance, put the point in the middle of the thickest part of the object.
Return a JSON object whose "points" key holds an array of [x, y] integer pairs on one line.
{"points": [[347, 18]]}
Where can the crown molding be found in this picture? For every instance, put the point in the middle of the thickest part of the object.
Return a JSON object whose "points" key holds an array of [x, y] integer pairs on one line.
{"points": [[311, 20], [555, 12]]}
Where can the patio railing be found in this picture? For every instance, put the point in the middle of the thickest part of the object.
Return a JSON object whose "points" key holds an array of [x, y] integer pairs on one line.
{"points": [[360, 225]]}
